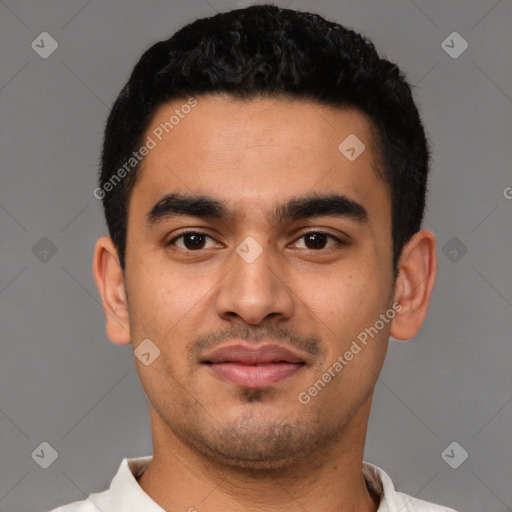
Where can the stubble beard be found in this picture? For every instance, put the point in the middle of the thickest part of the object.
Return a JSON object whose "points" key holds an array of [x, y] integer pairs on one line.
{"points": [[254, 445]]}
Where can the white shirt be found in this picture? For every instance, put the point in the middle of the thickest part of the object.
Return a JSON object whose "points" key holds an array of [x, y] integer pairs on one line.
{"points": [[126, 495]]}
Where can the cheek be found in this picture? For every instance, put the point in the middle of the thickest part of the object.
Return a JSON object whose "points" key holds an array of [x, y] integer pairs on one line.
{"points": [[344, 305], [160, 300], [344, 312], [163, 308]]}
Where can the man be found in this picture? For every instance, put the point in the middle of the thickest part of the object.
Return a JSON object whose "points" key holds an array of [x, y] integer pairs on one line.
{"points": [[263, 178]]}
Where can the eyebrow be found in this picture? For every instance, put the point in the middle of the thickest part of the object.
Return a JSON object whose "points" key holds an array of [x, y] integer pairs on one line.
{"points": [[336, 205]]}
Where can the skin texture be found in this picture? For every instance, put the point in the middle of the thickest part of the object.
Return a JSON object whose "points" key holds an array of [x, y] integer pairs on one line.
{"points": [[218, 446]]}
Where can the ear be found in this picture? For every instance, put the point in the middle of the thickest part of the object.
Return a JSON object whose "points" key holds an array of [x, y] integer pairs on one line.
{"points": [[417, 269], [110, 282]]}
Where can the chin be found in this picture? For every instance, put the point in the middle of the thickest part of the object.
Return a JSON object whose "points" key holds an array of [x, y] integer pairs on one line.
{"points": [[259, 444]]}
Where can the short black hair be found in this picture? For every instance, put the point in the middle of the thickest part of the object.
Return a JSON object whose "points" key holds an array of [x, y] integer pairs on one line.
{"points": [[265, 51]]}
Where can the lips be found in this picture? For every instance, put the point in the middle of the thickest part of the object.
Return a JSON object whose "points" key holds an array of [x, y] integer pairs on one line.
{"points": [[253, 367]]}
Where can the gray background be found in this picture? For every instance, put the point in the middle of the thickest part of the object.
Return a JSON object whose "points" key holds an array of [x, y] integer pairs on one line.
{"points": [[63, 382]]}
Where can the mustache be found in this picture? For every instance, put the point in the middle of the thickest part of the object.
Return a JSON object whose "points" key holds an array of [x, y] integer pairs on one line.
{"points": [[307, 343]]}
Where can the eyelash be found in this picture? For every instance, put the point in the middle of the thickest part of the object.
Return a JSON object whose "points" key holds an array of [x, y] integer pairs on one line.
{"points": [[329, 235]]}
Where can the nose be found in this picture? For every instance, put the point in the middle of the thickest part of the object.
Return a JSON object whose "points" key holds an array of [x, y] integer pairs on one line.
{"points": [[254, 290]]}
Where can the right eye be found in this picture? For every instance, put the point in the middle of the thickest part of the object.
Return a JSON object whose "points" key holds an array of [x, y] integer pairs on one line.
{"points": [[192, 241]]}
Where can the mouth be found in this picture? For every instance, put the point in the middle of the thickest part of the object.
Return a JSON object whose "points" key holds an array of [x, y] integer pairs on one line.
{"points": [[254, 367]]}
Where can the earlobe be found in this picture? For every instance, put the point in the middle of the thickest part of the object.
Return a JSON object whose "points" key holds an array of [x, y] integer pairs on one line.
{"points": [[110, 282], [415, 282]]}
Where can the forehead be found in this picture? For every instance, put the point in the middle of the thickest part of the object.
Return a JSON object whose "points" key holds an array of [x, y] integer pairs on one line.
{"points": [[251, 154]]}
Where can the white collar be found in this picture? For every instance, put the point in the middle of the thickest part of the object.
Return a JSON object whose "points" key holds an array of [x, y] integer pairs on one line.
{"points": [[127, 495]]}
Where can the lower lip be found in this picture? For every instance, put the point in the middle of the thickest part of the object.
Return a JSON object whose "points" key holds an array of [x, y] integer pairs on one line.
{"points": [[255, 376]]}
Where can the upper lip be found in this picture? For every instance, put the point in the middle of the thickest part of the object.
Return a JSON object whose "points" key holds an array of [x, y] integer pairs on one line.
{"points": [[250, 354]]}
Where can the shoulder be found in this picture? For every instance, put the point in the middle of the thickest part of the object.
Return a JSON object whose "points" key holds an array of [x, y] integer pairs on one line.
{"points": [[124, 492], [91, 504], [391, 500], [407, 503]]}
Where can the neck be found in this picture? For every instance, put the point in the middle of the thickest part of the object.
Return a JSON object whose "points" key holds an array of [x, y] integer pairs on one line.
{"points": [[180, 478]]}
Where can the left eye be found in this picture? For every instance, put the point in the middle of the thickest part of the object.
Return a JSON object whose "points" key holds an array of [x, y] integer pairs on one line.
{"points": [[193, 241], [318, 239]]}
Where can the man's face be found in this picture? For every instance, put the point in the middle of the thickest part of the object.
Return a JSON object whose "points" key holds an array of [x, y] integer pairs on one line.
{"points": [[253, 278]]}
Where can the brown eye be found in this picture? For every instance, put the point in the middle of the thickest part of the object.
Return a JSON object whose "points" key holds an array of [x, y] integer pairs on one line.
{"points": [[317, 240], [191, 241]]}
